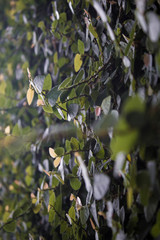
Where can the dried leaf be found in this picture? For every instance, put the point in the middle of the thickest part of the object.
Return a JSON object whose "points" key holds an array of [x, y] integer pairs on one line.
{"points": [[92, 224], [40, 102], [57, 161], [102, 214], [30, 95], [7, 130], [46, 172], [98, 111], [72, 197], [52, 153]]}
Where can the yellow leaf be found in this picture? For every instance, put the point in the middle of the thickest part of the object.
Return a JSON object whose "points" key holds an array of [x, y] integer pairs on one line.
{"points": [[77, 62], [52, 153], [57, 161], [129, 157], [30, 96], [7, 130], [40, 102], [129, 197]]}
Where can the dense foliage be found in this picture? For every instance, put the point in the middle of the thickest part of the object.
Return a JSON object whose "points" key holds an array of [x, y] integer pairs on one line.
{"points": [[79, 119]]}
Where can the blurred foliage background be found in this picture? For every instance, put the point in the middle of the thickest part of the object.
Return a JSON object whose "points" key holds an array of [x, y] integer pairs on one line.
{"points": [[80, 119]]}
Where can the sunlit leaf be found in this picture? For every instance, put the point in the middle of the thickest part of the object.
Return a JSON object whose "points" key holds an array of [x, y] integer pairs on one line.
{"points": [[93, 31], [77, 62]]}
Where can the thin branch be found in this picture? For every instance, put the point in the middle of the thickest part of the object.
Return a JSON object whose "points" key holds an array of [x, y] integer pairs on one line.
{"points": [[90, 79], [14, 219], [70, 99]]}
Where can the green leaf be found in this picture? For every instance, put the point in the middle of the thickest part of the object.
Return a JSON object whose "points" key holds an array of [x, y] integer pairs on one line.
{"points": [[157, 61], [55, 182], [72, 213], [28, 180], [93, 31], [42, 26], [68, 145], [57, 114], [74, 144], [75, 183], [106, 104], [51, 215], [37, 208], [77, 62], [10, 226], [54, 25], [67, 82], [57, 176], [143, 184], [156, 227], [16, 130], [79, 76], [52, 198], [58, 203], [134, 104], [67, 158], [84, 214], [17, 213], [73, 110], [63, 227], [38, 82], [53, 96], [80, 46], [55, 58], [47, 83], [125, 138], [101, 153], [62, 61], [48, 109], [59, 151]]}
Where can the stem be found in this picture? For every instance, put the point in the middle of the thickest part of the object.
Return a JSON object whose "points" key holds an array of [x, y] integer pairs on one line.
{"points": [[14, 219], [90, 79]]}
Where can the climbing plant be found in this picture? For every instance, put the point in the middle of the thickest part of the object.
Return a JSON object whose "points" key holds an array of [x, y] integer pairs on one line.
{"points": [[80, 119]]}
